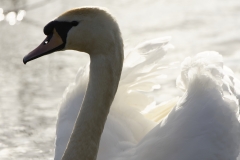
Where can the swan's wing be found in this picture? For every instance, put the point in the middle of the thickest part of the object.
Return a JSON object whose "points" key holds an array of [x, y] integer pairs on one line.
{"points": [[203, 125], [138, 87], [125, 125]]}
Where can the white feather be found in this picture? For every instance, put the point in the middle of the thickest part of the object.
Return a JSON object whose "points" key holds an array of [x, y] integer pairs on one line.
{"points": [[202, 125]]}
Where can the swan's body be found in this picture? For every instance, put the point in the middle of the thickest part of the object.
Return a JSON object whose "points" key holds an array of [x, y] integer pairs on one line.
{"points": [[203, 124]]}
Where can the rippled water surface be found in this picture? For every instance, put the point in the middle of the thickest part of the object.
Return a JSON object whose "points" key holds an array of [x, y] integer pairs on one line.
{"points": [[30, 94]]}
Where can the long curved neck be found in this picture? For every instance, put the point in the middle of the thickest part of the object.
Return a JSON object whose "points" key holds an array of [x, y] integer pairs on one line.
{"points": [[105, 72]]}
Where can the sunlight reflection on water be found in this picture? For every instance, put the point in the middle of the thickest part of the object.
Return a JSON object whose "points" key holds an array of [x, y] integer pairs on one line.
{"points": [[30, 94], [12, 17]]}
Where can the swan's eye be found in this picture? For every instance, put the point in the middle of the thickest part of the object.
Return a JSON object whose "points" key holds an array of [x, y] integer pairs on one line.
{"points": [[74, 23]]}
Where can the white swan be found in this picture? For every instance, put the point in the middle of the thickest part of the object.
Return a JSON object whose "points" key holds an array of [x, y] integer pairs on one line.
{"points": [[203, 124]]}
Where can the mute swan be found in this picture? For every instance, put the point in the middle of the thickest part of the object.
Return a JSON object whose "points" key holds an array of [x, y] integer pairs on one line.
{"points": [[202, 125]]}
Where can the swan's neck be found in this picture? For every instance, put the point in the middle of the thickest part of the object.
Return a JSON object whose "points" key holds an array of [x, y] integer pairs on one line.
{"points": [[105, 72]]}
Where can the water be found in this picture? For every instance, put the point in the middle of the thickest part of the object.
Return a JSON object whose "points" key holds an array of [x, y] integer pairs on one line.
{"points": [[29, 95]]}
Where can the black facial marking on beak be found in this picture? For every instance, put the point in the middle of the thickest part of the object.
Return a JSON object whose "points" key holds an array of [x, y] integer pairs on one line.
{"points": [[61, 27], [74, 23], [55, 41], [48, 29]]}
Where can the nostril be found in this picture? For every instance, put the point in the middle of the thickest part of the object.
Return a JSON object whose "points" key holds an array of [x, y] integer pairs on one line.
{"points": [[47, 40]]}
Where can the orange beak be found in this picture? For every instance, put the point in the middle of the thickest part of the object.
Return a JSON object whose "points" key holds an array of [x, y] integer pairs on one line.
{"points": [[52, 43]]}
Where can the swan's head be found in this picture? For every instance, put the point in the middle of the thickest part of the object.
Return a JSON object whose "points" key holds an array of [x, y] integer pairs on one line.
{"points": [[88, 29]]}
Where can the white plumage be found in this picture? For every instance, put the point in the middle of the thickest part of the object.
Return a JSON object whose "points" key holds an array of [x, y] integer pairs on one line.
{"points": [[202, 125]]}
